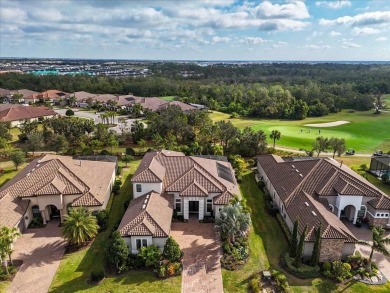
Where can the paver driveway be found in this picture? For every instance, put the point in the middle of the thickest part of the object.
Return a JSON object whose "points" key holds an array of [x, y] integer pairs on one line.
{"points": [[202, 253], [41, 251]]}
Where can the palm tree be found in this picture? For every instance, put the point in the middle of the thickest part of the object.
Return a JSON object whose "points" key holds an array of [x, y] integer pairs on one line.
{"points": [[233, 220], [275, 135], [79, 226], [8, 236], [379, 243]]}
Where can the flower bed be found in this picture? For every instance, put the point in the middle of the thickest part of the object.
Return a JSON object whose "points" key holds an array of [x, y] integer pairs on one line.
{"points": [[235, 255], [302, 272]]}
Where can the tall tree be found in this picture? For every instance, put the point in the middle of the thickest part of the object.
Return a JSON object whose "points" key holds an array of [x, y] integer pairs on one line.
{"points": [[227, 134], [337, 145], [34, 142], [379, 242], [320, 145], [79, 226], [294, 239], [298, 258], [379, 104], [117, 251], [315, 256], [59, 143], [275, 135]]}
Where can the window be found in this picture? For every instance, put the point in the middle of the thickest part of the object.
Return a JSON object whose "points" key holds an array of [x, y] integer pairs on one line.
{"points": [[35, 211], [139, 187], [178, 205], [377, 215], [382, 215], [141, 243], [209, 206]]}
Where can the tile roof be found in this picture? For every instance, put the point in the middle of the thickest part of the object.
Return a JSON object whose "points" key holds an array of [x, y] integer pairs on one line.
{"points": [[194, 189], [148, 215], [52, 175], [18, 112], [82, 96], [300, 191], [380, 202], [12, 210]]}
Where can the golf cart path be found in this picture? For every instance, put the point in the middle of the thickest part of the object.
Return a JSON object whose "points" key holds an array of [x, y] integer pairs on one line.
{"points": [[322, 153]]}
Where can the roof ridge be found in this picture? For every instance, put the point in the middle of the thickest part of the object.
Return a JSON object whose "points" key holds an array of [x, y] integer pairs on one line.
{"points": [[196, 165]]}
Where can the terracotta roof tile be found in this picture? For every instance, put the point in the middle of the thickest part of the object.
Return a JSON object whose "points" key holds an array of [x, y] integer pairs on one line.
{"points": [[194, 189], [223, 198], [380, 202], [17, 112]]}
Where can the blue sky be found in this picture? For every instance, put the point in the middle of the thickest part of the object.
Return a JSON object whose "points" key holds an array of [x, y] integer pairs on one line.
{"points": [[196, 29]]}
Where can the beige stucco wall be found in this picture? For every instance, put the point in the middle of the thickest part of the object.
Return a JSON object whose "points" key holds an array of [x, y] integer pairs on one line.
{"points": [[146, 187]]}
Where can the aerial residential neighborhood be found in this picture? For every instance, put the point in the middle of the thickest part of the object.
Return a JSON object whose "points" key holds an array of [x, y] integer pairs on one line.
{"points": [[194, 146]]}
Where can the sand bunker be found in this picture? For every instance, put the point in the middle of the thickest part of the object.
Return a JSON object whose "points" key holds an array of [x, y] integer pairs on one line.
{"points": [[328, 124]]}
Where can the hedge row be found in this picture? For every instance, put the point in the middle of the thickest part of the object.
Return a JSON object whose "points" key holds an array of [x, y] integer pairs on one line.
{"points": [[302, 272]]}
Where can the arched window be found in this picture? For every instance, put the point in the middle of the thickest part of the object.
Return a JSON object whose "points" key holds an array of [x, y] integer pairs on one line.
{"points": [[35, 211]]}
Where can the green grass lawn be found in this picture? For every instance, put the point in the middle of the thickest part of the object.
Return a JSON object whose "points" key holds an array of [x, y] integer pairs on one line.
{"points": [[366, 131], [76, 267], [267, 242], [168, 98]]}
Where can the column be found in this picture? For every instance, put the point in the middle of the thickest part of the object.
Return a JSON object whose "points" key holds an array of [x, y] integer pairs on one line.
{"points": [[43, 217], [186, 216], [61, 215], [355, 217], [201, 209]]}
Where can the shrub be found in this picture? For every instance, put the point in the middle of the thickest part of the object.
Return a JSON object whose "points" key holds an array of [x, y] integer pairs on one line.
{"points": [[69, 112], [119, 171], [87, 152], [281, 281], [302, 272], [117, 251], [115, 189], [162, 271], [172, 250], [97, 276], [254, 285], [105, 153], [126, 204], [151, 255], [102, 219], [338, 271], [130, 151], [135, 261]]}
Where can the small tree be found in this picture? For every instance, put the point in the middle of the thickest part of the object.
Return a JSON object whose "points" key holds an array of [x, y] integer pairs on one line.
{"points": [[298, 258], [69, 113], [34, 142], [127, 159], [294, 239], [79, 226], [59, 143], [337, 145], [7, 237], [18, 158], [379, 242], [315, 256], [320, 145], [117, 251], [172, 250], [142, 144], [275, 135]]}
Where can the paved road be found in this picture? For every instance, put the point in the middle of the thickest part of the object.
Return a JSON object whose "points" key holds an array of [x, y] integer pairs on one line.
{"points": [[41, 251], [202, 253], [96, 118]]}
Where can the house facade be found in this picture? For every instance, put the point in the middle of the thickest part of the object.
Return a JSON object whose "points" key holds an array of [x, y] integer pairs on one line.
{"points": [[322, 191], [183, 185], [48, 187], [17, 114]]}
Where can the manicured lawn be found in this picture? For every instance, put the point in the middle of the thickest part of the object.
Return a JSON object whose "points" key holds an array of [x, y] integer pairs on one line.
{"points": [[267, 242], [167, 98], [9, 171], [76, 267], [366, 131], [3, 286]]}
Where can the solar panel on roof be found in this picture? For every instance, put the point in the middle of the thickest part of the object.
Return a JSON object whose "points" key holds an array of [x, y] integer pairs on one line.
{"points": [[225, 173]]}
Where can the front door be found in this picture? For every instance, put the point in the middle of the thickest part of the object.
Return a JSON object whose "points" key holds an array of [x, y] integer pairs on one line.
{"points": [[55, 213], [193, 206]]}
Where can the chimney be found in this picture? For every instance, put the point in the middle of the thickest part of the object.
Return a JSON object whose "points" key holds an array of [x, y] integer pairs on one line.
{"points": [[341, 164]]}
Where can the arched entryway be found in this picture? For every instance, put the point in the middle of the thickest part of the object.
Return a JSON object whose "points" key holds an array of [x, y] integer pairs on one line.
{"points": [[54, 213], [349, 213]]}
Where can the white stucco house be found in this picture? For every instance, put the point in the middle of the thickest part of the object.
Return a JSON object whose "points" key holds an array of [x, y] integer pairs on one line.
{"points": [[168, 181]]}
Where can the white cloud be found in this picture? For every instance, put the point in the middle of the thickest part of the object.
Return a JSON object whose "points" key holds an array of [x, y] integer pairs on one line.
{"points": [[365, 31], [334, 4], [217, 39], [316, 47], [252, 40], [335, 34], [296, 9], [381, 39], [368, 18], [349, 44]]}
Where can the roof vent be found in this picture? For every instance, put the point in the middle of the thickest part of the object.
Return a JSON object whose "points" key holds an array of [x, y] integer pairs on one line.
{"points": [[144, 206], [297, 170], [306, 203], [293, 166], [314, 213], [147, 196], [33, 169], [300, 175]]}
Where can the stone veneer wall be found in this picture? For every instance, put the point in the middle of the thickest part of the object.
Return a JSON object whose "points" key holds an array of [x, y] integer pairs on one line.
{"points": [[377, 221], [331, 249]]}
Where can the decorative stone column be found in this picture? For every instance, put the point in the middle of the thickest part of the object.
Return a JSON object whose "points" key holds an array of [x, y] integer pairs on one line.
{"points": [[355, 216], [43, 217]]}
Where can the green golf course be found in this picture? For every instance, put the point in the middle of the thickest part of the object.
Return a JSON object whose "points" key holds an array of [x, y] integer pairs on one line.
{"points": [[365, 133]]}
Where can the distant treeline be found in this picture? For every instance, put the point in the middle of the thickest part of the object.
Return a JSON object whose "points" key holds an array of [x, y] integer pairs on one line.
{"points": [[289, 91]]}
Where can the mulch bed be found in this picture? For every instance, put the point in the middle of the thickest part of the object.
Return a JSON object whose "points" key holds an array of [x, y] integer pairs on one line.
{"points": [[70, 248]]}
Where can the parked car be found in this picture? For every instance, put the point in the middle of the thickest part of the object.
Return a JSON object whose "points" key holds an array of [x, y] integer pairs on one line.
{"points": [[350, 152], [378, 153]]}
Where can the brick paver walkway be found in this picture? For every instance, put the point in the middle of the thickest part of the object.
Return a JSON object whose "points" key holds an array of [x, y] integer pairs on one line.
{"points": [[202, 253], [41, 251]]}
